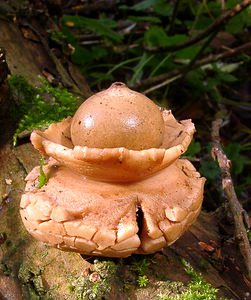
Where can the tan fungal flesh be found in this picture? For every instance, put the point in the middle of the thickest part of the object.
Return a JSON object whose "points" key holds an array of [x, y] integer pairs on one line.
{"points": [[100, 218], [115, 164]]}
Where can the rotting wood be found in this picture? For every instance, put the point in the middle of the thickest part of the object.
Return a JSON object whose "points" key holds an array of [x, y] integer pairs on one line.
{"points": [[29, 58], [240, 221], [36, 58]]}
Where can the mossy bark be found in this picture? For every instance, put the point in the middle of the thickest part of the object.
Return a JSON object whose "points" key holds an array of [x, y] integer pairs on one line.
{"points": [[29, 269], [37, 269]]}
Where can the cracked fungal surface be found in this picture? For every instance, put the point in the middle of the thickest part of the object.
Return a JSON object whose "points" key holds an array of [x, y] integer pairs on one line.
{"points": [[125, 190], [100, 218]]}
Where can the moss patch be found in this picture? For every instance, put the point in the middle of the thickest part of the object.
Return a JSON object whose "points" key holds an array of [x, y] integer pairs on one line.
{"points": [[39, 106], [32, 283], [42, 178], [97, 284], [196, 289], [140, 266]]}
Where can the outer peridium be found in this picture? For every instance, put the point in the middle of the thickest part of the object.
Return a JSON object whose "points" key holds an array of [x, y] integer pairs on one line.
{"points": [[72, 212], [115, 164]]}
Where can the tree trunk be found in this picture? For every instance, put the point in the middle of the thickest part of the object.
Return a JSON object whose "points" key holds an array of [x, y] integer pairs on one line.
{"points": [[24, 262]]}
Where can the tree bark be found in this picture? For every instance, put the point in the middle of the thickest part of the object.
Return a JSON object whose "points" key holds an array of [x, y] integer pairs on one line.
{"points": [[23, 261]]}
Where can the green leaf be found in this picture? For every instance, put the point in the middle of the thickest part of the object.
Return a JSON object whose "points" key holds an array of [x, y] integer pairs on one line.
{"points": [[210, 169], [57, 36], [193, 149], [157, 37], [235, 24], [42, 178], [203, 22], [123, 63], [161, 63], [144, 19], [98, 52], [240, 21], [221, 73], [69, 35], [229, 78], [238, 160], [101, 26], [160, 7], [176, 39], [138, 69], [188, 52], [196, 81], [82, 56], [102, 76], [231, 3], [144, 5], [228, 67], [163, 8]]}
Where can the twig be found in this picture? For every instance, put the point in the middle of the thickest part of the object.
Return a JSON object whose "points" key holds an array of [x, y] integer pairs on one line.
{"points": [[160, 85], [226, 54], [200, 52], [89, 7], [227, 183], [212, 30], [174, 15], [166, 78], [215, 26], [222, 20]]}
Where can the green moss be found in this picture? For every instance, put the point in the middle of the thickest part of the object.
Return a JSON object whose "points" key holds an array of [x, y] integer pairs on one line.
{"points": [[142, 281], [13, 247], [11, 211], [140, 266], [32, 283], [203, 264], [97, 285], [42, 178], [4, 269], [44, 253], [169, 290], [37, 107], [196, 289], [57, 36]]}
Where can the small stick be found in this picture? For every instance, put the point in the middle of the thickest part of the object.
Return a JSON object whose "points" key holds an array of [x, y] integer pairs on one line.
{"points": [[173, 17], [219, 22], [222, 20], [171, 76], [237, 210]]}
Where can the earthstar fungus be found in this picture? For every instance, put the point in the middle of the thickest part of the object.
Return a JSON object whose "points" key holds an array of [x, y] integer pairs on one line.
{"points": [[116, 184]]}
